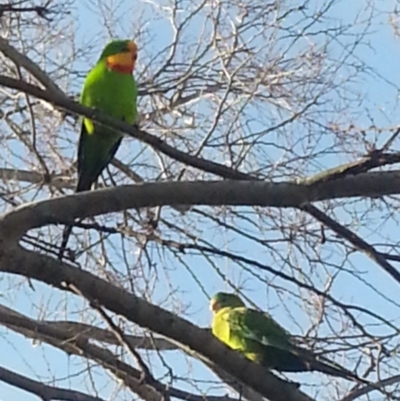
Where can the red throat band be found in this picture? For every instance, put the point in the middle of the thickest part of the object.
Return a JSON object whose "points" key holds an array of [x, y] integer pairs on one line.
{"points": [[123, 68]]}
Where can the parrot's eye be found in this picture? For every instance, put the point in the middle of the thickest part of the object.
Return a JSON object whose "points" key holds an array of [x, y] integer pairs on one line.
{"points": [[215, 306]]}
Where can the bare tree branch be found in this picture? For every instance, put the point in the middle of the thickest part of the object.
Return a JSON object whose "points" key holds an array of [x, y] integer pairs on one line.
{"points": [[359, 392], [78, 331], [66, 104], [267, 97], [237, 193], [26, 63], [183, 333], [146, 375], [77, 345], [44, 391], [354, 239], [35, 177], [96, 333]]}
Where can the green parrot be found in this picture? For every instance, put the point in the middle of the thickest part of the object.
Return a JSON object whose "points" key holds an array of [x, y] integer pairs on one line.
{"points": [[110, 88], [261, 339]]}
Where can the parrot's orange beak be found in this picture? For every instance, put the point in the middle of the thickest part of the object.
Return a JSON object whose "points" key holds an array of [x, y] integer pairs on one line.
{"points": [[214, 305], [124, 62]]}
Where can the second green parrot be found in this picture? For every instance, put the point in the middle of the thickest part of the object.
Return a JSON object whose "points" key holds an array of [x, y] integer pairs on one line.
{"points": [[110, 88], [261, 339]]}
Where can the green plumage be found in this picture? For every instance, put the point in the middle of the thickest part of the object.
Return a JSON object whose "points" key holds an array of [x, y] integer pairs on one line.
{"points": [[115, 94], [261, 339]]}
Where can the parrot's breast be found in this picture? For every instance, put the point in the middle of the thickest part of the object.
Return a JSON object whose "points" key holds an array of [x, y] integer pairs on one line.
{"points": [[111, 92], [226, 327], [223, 330]]}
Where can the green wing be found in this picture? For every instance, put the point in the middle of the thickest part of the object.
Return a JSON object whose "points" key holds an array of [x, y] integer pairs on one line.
{"points": [[277, 349], [263, 340], [258, 326], [93, 157]]}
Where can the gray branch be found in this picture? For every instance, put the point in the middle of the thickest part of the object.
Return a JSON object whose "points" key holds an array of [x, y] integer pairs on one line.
{"points": [[185, 335], [44, 391], [235, 193], [74, 330]]}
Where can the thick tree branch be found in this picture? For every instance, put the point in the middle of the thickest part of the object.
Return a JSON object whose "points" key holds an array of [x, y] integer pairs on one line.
{"points": [[138, 179], [83, 332], [236, 193], [183, 333], [61, 181], [77, 345], [44, 391]]}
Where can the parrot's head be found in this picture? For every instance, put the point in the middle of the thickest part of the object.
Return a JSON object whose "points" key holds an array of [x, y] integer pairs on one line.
{"points": [[224, 300], [120, 56]]}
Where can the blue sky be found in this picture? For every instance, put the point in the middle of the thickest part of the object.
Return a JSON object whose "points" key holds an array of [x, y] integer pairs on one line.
{"points": [[377, 105]]}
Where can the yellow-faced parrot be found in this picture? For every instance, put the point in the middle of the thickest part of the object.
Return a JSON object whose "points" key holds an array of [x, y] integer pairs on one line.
{"points": [[260, 338]]}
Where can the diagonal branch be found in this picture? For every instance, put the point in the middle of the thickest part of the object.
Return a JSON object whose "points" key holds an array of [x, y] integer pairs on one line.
{"points": [[184, 334], [43, 391], [35, 329], [63, 102], [146, 376], [25, 62], [76, 345], [59, 99], [354, 239], [359, 392], [366, 163]]}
